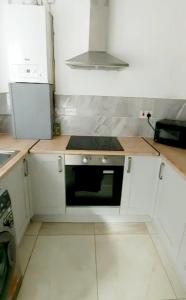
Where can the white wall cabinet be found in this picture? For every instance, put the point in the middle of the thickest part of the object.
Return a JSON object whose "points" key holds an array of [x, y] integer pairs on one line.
{"points": [[139, 184], [170, 214], [47, 184], [16, 183]]}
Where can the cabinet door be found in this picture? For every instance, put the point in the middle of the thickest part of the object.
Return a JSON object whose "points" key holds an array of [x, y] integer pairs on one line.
{"points": [[139, 184], [47, 183], [14, 182], [170, 215], [181, 260]]}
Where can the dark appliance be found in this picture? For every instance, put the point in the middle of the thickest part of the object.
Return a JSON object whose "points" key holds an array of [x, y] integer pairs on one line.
{"points": [[94, 143], [171, 132], [10, 274], [93, 180]]}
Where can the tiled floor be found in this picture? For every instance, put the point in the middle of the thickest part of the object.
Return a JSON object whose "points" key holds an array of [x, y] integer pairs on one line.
{"points": [[86, 261]]}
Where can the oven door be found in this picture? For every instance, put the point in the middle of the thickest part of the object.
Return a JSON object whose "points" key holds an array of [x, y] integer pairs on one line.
{"points": [[93, 185], [7, 264]]}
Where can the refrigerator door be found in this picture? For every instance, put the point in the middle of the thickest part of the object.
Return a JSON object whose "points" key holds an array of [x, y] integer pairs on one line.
{"points": [[32, 106]]}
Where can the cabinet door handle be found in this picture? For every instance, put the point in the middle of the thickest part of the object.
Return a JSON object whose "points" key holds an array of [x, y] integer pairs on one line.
{"points": [[161, 171], [25, 167], [129, 165], [60, 168]]}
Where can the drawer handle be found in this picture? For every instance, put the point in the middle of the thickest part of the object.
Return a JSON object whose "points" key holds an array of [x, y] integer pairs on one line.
{"points": [[25, 167], [129, 165], [60, 168], [161, 171]]}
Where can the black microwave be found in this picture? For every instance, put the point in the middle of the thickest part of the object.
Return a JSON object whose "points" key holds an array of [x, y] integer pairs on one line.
{"points": [[171, 132]]}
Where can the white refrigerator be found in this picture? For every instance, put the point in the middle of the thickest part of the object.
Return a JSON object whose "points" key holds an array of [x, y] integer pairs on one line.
{"points": [[32, 110]]}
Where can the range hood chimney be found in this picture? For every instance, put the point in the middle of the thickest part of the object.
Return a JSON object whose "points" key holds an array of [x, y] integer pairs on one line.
{"points": [[97, 56]]}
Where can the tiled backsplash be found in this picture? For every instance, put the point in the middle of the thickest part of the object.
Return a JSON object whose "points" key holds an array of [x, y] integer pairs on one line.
{"points": [[5, 114], [115, 116], [108, 116]]}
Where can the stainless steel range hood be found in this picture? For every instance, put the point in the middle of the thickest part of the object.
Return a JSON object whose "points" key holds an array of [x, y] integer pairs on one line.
{"points": [[97, 56]]}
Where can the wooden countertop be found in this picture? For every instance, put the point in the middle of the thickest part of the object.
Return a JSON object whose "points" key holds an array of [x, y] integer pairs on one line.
{"points": [[9, 143], [176, 156], [131, 145]]}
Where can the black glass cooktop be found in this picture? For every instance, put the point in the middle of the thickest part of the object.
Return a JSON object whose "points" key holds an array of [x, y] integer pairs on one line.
{"points": [[94, 143]]}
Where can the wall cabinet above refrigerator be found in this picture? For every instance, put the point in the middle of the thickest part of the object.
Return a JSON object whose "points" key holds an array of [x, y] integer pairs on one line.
{"points": [[30, 44]]}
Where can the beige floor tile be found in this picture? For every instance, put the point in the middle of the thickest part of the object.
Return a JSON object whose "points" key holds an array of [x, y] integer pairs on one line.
{"points": [[169, 267], [120, 228], [67, 229], [25, 250], [61, 268], [129, 269], [33, 228]]}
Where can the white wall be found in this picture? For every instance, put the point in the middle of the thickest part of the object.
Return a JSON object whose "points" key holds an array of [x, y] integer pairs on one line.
{"points": [[3, 57], [149, 34], [71, 26]]}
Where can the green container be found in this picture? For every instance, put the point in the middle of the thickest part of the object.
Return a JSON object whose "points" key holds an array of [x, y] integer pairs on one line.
{"points": [[57, 129]]}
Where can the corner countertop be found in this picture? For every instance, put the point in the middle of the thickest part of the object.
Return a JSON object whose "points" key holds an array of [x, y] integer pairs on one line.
{"points": [[9, 143], [131, 145], [175, 156]]}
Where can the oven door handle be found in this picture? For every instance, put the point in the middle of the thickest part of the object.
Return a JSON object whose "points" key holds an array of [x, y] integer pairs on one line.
{"points": [[108, 172]]}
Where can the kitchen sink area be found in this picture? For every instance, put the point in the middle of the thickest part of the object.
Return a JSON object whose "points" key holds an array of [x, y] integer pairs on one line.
{"points": [[5, 156]]}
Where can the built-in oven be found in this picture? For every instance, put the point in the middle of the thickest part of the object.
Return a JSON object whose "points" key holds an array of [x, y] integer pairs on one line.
{"points": [[93, 180]]}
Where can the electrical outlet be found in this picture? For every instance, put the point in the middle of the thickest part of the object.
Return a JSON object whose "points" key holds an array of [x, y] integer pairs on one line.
{"points": [[148, 112], [143, 114]]}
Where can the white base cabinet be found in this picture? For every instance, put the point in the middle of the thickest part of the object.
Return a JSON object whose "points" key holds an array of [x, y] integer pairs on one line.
{"points": [[15, 181], [47, 184], [181, 259], [139, 184], [170, 214]]}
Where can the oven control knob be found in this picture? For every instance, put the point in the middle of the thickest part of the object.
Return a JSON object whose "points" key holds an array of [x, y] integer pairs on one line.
{"points": [[85, 160], [104, 160]]}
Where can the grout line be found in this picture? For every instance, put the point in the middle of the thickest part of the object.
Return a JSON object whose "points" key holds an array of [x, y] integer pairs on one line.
{"points": [[166, 272], [30, 256], [68, 234], [37, 235], [94, 228], [96, 266]]}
